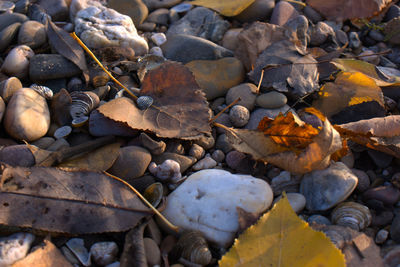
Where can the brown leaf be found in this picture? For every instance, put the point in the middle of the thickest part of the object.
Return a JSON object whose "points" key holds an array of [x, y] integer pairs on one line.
{"points": [[46, 255], [180, 109], [341, 10], [66, 46], [53, 200]]}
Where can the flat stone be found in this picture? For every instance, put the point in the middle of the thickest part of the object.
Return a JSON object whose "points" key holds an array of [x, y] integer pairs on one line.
{"points": [[51, 66], [32, 34], [216, 77], [260, 10], [323, 189], [207, 200], [27, 115], [246, 92], [282, 13], [132, 162], [259, 113], [8, 34], [135, 9], [6, 19], [185, 48], [185, 162], [271, 100]]}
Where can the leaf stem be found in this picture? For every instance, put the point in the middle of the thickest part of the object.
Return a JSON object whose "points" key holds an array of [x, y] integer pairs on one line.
{"points": [[260, 81]]}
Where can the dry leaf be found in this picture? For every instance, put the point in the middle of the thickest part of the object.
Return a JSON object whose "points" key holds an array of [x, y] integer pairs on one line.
{"points": [[98, 160], [326, 68], [46, 255], [349, 89], [315, 155], [281, 238], [341, 10], [227, 8], [53, 200], [180, 109], [66, 46]]}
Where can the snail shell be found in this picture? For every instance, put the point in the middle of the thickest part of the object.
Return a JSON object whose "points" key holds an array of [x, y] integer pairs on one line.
{"points": [[144, 102], [44, 91], [193, 247], [83, 103], [351, 214]]}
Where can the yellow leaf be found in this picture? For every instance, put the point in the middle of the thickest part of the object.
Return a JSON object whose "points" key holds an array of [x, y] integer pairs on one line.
{"points": [[227, 8], [281, 238]]}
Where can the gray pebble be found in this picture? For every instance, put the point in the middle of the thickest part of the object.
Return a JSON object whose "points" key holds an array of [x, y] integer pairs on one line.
{"points": [[318, 219], [6, 19], [354, 40], [341, 37], [297, 201], [258, 114], [363, 180], [259, 10], [218, 155], [271, 100], [196, 151], [376, 35], [14, 247], [320, 33], [206, 142], [381, 236], [239, 115], [223, 143], [184, 161], [282, 13], [8, 34], [155, 147], [246, 92], [32, 34], [159, 16], [205, 163], [382, 160]]}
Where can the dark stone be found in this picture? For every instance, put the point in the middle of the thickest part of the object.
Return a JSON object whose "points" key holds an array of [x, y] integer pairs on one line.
{"points": [[51, 66], [8, 35], [6, 19], [395, 229], [56, 9], [389, 195], [393, 12], [363, 111]]}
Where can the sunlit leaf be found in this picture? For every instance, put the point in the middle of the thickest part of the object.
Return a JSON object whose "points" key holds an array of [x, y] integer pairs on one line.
{"points": [[227, 8]]}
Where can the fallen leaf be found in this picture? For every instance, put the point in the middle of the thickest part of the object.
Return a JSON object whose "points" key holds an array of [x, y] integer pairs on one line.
{"points": [[53, 200], [227, 8], [66, 46], [281, 238], [46, 255], [342, 10], [316, 148], [179, 110], [325, 67], [98, 160], [287, 68]]}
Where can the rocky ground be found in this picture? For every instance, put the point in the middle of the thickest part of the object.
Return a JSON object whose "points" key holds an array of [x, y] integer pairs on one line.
{"points": [[55, 99]]}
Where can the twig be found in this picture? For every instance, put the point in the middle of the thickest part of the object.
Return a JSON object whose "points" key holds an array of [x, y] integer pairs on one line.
{"points": [[222, 111], [260, 81]]}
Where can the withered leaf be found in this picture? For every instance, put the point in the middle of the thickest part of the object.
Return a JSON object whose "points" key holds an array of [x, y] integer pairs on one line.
{"points": [[227, 8], [66, 46], [53, 200], [179, 110], [342, 10]]}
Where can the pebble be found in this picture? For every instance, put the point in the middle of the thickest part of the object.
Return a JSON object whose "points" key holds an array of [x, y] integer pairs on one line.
{"points": [[185, 48], [239, 115], [271, 100], [32, 34], [259, 113], [297, 201], [8, 34], [299, 25], [58, 144], [21, 6], [193, 23], [376, 35], [395, 229], [205, 163], [153, 254], [168, 171], [104, 253], [324, 189], [44, 142], [132, 162], [206, 201], [135, 9], [341, 37], [320, 33], [223, 119], [354, 40], [182, 8], [259, 10], [218, 155], [9, 87], [216, 77], [175, 146], [159, 16], [159, 38], [391, 13], [6, 19], [197, 151], [223, 143], [382, 160], [247, 92], [370, 57], [206, 142], [312, 14], [17, 61], [17, 155], [363, 180], [57, 10], [27, 115], [318, 219], [6, 6], [156, 51], [147, 26], [185, 162], [51, 66], [239, 162], [381, 236], [155, 147], [2, 108], [100, 27], [14, 247], [388, 194], [230, 39], [282, 13]]}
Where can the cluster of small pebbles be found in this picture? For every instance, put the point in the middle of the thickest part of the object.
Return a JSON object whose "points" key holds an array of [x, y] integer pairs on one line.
{"points": [[45, 100]]}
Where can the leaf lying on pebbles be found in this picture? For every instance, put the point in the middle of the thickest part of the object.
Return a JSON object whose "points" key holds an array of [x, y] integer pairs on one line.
{"points": [[53, 200], [227, 8], [179, 110]]}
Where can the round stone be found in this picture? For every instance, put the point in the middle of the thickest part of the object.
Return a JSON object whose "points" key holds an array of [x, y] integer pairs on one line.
{"points": [[271, 100], [239, 115], [135, 9], [246, 92], [32, 33], [17, 61], [132, 162]]}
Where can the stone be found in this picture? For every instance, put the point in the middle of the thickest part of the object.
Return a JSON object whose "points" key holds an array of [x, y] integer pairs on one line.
{"points": [[104, 253], [376, 35], [17, 61], [312, 14], [132, 162], [8, 34], [168, 171], [32, 34], [388, 194], [234, 159], [182, 8], [320, 33], [78, 5], [21, 6], [382, 160], [58, 144], [193, 23], [259, 113], [9, 87], [159, 16], [15, 247], [44, 142], [323, 189], [247, 92], [205, 163], [230, 39], [17, 155], [282, 13], [218, 155], [271, 100], [6, 19], [216, 77], [156, 4], [297, 201], [207, 200], [259, 10], [100, 27], [341, 37], [354, 40], [205, 141], [27, 115], [239, 115], [370, 57], [156, 51], [197, 151], [185, 162], [56, 9], [363, 180], [391, 13], [318, 219], [153, 254], [155, 147], [381, 236], [395, 229], [135, 9], [348, 159], [147, 26], [185, 48], [159, 38], [51, 66], [299, 25], [2, 108], [223, 143]]}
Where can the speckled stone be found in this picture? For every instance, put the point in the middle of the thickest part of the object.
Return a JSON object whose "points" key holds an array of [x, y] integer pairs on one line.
{"points": [[239, 115]]}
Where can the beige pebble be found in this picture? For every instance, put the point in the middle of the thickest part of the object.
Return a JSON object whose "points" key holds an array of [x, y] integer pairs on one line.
{"points": [[17, 61], [153, 254], [9, 87]]}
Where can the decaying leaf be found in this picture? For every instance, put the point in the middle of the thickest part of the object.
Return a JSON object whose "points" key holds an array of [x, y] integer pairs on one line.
{"points": [[66, 46], [227, 8], [341, 10], [179, 110], [315, 154], [349, 89], [53, 200], [287, 68], [280, 238], [382, 134]]}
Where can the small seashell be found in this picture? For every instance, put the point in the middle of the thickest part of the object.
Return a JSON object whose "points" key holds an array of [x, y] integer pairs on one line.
{"points": [[104, 253], [154, 194], [62, 132], [100, 79], [193, 247], [44, 91], [144, 102], [83, 103], [80, 121], [169, 170], [76, 246], [351, 214]]}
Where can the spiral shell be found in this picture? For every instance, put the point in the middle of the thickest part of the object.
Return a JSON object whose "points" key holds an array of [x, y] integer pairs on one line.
{"points": [[144, 102], [83, 103], [44, 91], [351, 214], [193, 247]]}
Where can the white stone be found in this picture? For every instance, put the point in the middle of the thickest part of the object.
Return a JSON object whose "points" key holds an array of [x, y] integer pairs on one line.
{"points": [[99, 27], [207, 202], [169, 170], [296, 200], [14, 247], [159, 38]]}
